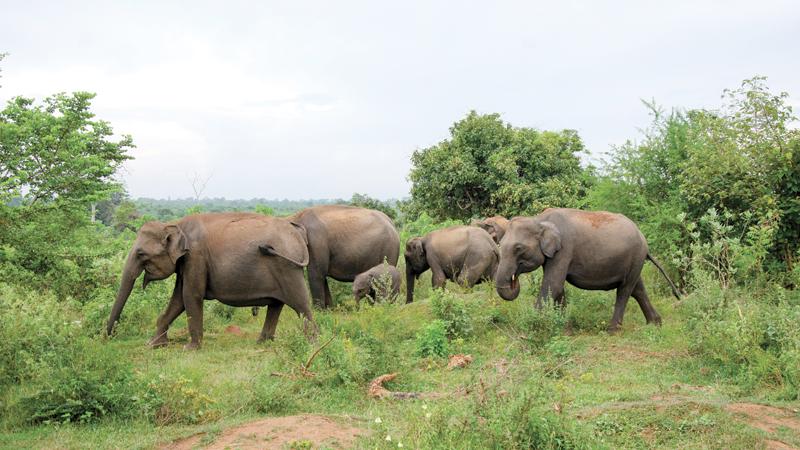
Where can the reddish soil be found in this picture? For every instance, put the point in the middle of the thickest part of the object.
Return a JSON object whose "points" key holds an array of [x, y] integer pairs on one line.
{"points": [[233, 329], [767, 418], [278, 433]]}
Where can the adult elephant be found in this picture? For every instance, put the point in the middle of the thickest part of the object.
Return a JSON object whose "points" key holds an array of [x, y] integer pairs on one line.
{"points": [[464, 254], [591, 250], [496, 226], [240, 259], [344, 241]]}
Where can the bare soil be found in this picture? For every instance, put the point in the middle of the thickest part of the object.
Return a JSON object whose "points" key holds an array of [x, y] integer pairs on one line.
{"points": [[278, 433], [767, 418]]}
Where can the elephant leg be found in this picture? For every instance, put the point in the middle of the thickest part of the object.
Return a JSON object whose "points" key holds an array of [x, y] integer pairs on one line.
{"points": [[316, 281], [438, 277], [271, 322], [553, 280], [328, 296], [174, 309], [254, 311], [640, 294], [194, 288], [623, 294]]}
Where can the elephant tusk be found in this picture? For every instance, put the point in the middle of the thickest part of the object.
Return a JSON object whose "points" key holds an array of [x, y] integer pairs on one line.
{"points": [[513, 276]]}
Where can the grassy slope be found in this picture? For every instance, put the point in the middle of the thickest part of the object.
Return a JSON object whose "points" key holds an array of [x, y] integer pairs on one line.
{"points": [[639, 389]]}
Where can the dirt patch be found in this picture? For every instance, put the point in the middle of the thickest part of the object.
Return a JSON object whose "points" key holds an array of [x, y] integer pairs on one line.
{"points": [[278, 433], [777, 445], [233, 329], [597, 218], [767, 418]]}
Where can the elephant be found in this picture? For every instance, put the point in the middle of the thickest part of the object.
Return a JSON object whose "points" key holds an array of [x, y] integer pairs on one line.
{"points": [[464, 254], [381, 281], [344, 241], [591, 250], [496, 226], [240, 259]]}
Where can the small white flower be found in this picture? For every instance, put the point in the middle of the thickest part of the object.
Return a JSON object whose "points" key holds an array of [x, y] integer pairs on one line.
{"points": [[424, 406], [378, 420], [427, 415], [399, 445], [388, 438]]}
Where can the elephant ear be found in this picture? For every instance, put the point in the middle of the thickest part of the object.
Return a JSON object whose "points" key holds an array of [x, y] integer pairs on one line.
{"points": [[175, 242], [550, 242], [302, 230]]}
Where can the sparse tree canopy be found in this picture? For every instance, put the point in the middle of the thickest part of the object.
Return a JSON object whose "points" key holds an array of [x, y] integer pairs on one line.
{"points": [[488, 167], [56, 152]]}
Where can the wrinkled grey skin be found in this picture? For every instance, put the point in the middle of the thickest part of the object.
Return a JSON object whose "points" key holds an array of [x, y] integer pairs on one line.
{"points": [[240, 259], [464, 254], [370, 283], [590, 250], [344, 241], [496, 226]]}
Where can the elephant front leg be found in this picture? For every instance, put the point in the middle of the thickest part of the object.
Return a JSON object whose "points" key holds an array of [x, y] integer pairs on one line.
{"points": [[553, 280], [193, 293], [316, 282], [271, 322], [174, 309]]}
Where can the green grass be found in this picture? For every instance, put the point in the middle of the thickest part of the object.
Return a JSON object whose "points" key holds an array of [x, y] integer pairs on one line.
{"points": [[538, 379]]}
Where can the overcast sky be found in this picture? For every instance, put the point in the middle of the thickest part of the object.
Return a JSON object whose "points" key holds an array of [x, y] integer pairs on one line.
{"points": [[323, 99]]}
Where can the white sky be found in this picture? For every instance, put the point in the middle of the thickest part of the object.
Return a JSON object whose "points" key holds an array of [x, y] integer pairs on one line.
{"points": [[323, 99]]}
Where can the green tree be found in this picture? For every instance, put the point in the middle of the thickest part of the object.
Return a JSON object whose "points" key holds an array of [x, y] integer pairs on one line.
{"points": [[365, 201], [55, 161], [488, 167], [741, 160]]}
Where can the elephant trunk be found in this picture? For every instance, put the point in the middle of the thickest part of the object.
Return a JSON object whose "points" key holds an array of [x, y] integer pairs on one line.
{"points": [[410, 275], [507, 282], [133, 269]]}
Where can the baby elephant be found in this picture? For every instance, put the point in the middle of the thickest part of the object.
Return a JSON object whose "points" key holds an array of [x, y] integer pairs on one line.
{"points": [[381, 281]]}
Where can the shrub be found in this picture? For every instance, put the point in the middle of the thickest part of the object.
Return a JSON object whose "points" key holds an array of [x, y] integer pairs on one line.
{"points": [[537, 326], [180, 402], [589, 311], [453, 312], [432, 340]]}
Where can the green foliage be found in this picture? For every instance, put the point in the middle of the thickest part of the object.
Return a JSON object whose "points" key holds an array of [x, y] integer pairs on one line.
{"points": [[365, 201], [741, 160], [453, 312], [423, 225], [181, 401], [265, 210], [755, 341], [432, 340], [488, 167], [537, 326]]}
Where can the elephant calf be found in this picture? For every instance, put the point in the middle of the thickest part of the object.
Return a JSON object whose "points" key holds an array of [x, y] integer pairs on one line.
{"points": [[240, 259], [464, 254], [496, 226], [381, 281], [590, 250]]}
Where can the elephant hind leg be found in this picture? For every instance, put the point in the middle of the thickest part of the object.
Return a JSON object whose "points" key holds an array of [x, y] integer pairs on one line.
{"points": [[623, 294], [271, 321], [640, 294], [328, 296]]}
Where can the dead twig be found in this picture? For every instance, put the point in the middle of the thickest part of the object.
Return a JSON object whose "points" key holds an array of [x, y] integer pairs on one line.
{"points": [[304, 368]]}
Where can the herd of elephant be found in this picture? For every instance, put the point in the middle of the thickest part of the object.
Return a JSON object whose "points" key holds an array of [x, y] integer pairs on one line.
{"points": [[247, 259]]}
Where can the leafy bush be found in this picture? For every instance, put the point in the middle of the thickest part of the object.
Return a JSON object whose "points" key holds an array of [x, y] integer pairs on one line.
{"points": [[537, 326], [589, 311], [754, 341], [180, 402], [453, 312], [432, 340]]}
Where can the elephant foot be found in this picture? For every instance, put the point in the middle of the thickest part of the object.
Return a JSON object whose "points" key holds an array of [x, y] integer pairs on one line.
{"points": [[192, 346], [262, 339], [614, 328], [158, 341], [655, 321]]}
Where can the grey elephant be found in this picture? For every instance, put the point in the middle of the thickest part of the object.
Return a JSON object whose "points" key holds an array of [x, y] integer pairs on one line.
{"points": [[496, 226], [464, 254], [240, 259], [381, 281], [590, 250], [344, 241]]}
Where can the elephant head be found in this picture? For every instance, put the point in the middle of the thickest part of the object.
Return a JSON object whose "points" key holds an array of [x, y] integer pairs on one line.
{"points": [[156, 252], [496, 226], [362, 285], [525, 247], [416, 263]]}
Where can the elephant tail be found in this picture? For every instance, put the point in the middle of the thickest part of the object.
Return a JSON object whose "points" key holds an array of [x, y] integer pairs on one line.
{"points": [[675, 291], [269, 250]]}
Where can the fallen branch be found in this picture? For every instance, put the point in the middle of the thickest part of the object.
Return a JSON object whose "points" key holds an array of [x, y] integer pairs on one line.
{"points": [[303, 369], [376, 390]]}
